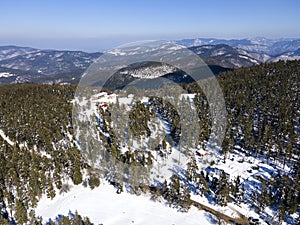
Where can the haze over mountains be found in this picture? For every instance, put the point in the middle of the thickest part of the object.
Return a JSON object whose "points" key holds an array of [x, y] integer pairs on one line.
{"points": [[25, 64]]}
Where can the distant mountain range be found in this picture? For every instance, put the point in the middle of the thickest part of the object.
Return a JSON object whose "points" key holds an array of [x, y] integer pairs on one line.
{"points": [[25, 64], [272, 47], [33, 65]]}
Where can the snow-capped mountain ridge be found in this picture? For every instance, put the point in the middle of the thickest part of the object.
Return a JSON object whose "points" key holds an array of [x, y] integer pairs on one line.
{"points": [[50, 62], [272, 47], [47, 66], [10, 51]]}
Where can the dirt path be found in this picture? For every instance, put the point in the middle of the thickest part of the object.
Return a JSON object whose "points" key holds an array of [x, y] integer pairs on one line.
{"points": [[231, 220]]}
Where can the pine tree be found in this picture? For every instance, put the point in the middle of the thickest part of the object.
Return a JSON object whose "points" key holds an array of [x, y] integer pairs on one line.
{"points": [[236, 187], [149, 159], [164, 144], [185, 198], [77, 176], [94, 181], [282, 210], [222, 190], [20, 212], [164, 189], [50, 188], [191, 171], [174, 190], [87, 221]]}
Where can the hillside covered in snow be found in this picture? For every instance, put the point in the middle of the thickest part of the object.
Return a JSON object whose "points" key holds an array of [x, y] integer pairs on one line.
{"points": [[131, 158]]}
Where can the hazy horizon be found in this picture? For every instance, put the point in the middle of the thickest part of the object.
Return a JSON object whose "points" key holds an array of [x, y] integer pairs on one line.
{"points": [[87, 46], [99, 25]]}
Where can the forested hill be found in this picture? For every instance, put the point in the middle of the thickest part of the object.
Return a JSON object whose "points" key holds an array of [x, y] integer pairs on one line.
{"points": [[263, 109], [39, 154], [265, 97], [264, 120]]}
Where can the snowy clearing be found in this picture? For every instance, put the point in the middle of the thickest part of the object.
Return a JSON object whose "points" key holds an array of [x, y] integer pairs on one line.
{"points": [[103, 206]]}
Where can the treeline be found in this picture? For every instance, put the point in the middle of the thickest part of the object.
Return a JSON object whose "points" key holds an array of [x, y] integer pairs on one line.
{"points": [[37, 118]]}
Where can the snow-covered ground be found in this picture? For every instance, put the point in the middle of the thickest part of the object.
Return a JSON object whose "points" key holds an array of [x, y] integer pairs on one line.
{"points": [[250, 169], [6, 138], [5, 74], [104, 206]]}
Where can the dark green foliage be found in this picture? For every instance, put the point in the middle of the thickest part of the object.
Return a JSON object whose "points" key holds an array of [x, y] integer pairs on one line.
{"points": [[37, 114], [35, 117], [191, 171], [94, 181], [222, 190], [263, 102], [169, 114], [20, 212], [177, 193], [139, 117], [77, 175], [72, 219], [281, 191], [201, 184], [4, 221]]}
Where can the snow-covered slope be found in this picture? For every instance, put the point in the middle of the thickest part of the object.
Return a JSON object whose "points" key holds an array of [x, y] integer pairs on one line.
{"points": [[229, 57], [50, 62], [103, 206], [259, 44], [291, 55], [7, 52]]}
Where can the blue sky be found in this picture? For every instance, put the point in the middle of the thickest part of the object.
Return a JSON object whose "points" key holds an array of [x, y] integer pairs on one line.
{"points": [[96, 25]]}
